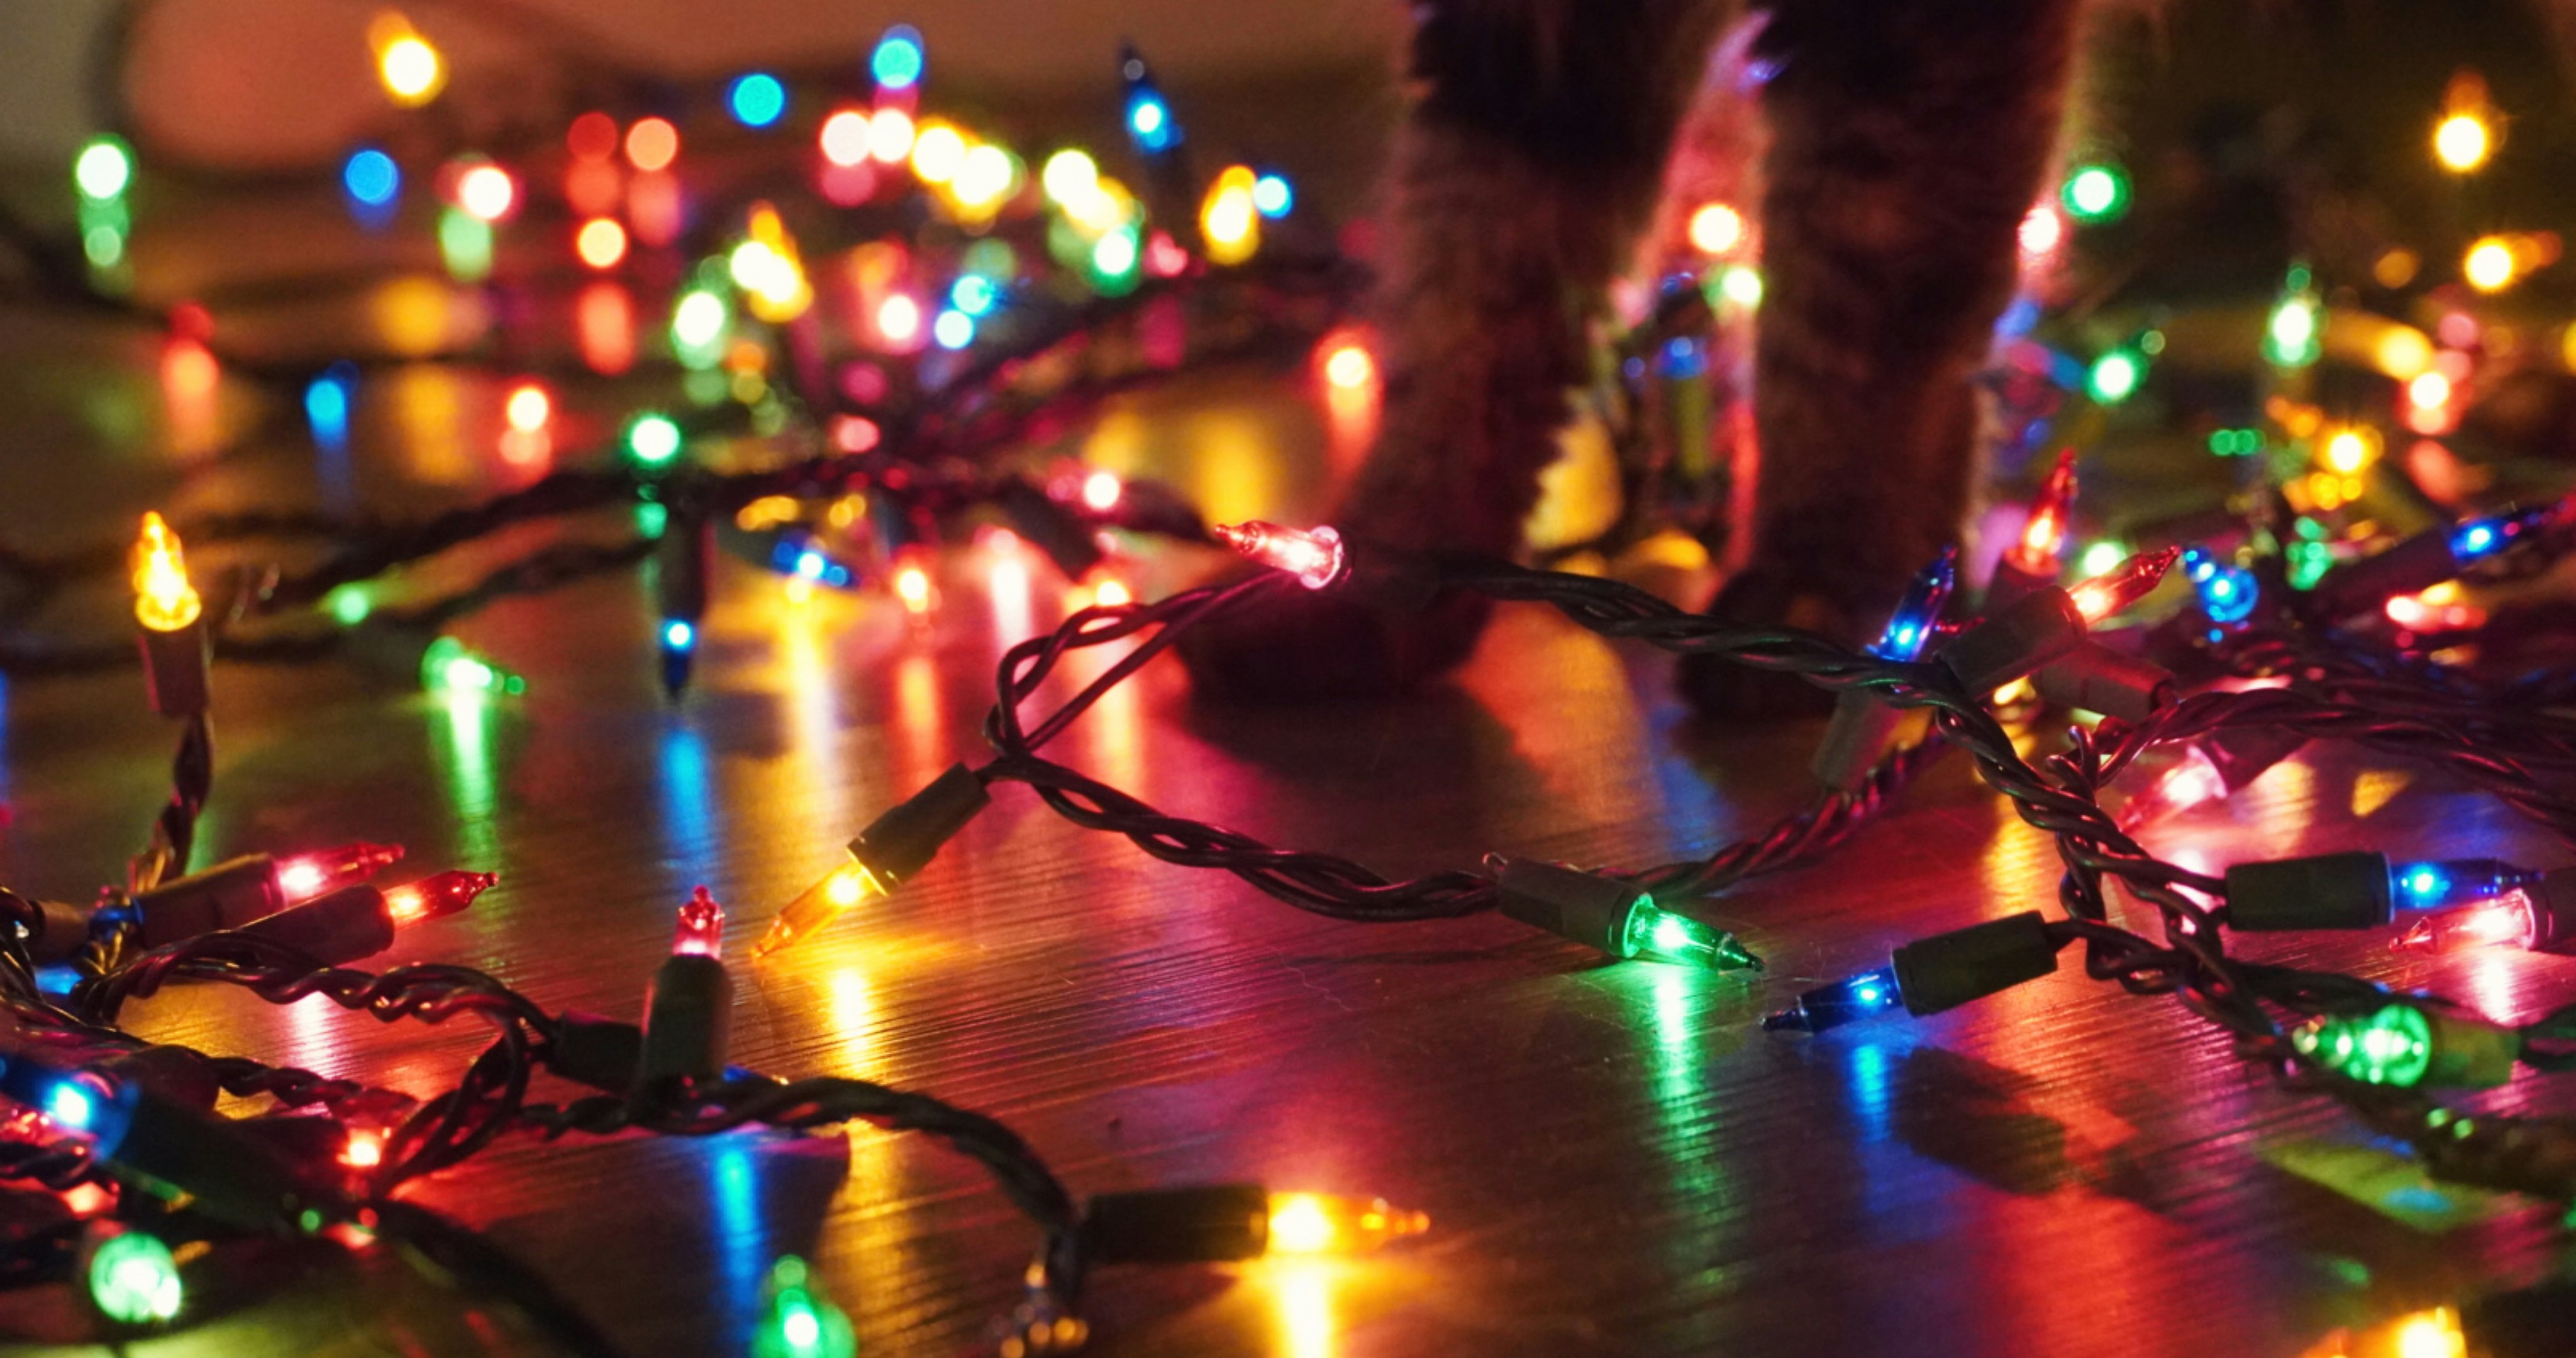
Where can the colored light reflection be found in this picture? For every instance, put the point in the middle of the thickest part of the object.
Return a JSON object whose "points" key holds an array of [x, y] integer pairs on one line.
{"points": [[1012, 588], [1302, 1291], [465, 245], [191, 383], [689, 815], [604, 327], [655, 209], [467, 761], [741, 1226], [326, 406]]}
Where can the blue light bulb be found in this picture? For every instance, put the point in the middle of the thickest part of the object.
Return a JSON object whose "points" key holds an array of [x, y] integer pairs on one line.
{"points": [[1271, 195], [810, 564], [1150, 119], [898, 59], [2458, 881], [757, 100], [2227, 592], [1846, 1001], [2475, 539], [371, 177], [1911, 624], [973, 294], [71, 1106], [953, 329], [326, 405], [678, 635]]}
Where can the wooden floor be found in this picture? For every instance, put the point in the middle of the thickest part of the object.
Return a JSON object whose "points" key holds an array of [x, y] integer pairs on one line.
{"points": [[1615, 1159]]}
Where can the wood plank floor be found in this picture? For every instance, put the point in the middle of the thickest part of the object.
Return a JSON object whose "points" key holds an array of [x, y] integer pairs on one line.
{"points": [[1615, 1159]]}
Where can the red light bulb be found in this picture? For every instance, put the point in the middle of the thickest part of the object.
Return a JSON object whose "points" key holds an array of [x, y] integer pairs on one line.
{"points": [[2506, 919], [2193, 780], [2122, 585], [2043, 537], [308, 875], [1312, 555], [442, 894], [701, 928], [365, 1150]]}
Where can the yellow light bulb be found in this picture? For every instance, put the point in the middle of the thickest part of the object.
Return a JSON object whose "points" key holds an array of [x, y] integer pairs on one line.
{"points": [[937, 153], [2489, 265], [821, 903], [163, 599], [1228, 220], [1716, 228], [1326, 1223], [412, 71], [985, 175], [2350, 450], [2430, 1334], [2461, 142], [768, 268]]}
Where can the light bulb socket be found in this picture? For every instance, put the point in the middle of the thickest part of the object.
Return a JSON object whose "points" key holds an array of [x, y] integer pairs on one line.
{"points": [[225, 896], [1864, 727], [2010, 584], [2099, 678], [174, 1073], [59, 930], [228, 1173], [1055, 529], [683, 563], [175, 668], [2005, 646], [2469, 1052], [347, 925], [1590, 909], [688, 1023], [1948, 970], [904, 840], [2420, 562], [596, 1050], [1212, 1223], [2322, 891], [2553, 910]]}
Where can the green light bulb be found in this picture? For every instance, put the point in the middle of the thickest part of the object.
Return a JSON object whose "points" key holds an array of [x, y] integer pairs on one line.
{"points": [[2096, 193], [653, 439], [349, 604], [2115, 376], [103, 169], [2393, 1046], [465, 244], [2290, 337], [1656, 933], [133, 1280], [800, 1322], [447, 667]]}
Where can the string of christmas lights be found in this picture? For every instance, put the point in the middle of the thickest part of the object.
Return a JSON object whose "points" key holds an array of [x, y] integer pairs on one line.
{"points": [[89, 1107], [79, 1091]]}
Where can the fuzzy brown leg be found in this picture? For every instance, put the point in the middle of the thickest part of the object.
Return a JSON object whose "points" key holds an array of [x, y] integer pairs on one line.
{"points": [[1527, 166], [1908, 138]]}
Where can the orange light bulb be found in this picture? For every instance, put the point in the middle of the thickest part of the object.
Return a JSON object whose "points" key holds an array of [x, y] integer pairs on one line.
{"points": [[163, 599], [1326, 1223]]}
